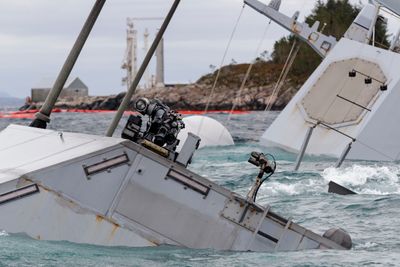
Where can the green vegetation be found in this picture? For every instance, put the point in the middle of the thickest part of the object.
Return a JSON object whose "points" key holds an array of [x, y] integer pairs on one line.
{"points": [[338, 16]]}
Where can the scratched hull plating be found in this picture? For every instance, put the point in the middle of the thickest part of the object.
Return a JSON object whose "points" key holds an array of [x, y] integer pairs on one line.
{"points": [[110, 191]]}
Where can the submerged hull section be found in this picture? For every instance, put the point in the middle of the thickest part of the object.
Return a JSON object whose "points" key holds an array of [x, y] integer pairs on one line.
{"points": [[351, 99], [110, 191]]}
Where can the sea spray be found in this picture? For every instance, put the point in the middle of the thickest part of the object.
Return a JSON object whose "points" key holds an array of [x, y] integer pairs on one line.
{"points": [[370, 179]]}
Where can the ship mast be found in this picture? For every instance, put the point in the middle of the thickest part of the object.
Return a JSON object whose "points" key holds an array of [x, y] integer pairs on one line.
{"points": [[43, 116], [130, 60], [131, 55]]}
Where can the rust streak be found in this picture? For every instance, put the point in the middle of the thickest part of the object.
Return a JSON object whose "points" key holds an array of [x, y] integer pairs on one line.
{"points": [[115, 228], [99, 218]]}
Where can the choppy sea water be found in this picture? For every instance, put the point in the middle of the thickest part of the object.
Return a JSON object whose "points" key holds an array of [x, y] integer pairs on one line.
{"points": [[371, 218]]}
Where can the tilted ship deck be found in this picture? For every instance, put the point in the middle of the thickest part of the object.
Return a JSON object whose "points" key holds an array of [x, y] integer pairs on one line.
{"points": [[111, 191], [132, 192]]}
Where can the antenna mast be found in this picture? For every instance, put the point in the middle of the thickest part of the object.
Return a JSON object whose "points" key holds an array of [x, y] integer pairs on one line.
{"points": [[130, 61], [159, 82], [147, 77]]}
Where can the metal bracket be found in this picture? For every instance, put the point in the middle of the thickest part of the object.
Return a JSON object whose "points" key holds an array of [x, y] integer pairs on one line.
{"points": [[267, 208], [321, 43], [289, 222]]}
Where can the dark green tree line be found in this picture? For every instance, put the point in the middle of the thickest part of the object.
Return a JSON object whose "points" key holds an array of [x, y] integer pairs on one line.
{"points": [[338, 16]]}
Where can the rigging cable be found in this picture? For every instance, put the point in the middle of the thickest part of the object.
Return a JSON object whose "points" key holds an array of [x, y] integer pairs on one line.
{"points": [[247, 75], [220, 68], [223, 60], [282, 77], [285, 71]]}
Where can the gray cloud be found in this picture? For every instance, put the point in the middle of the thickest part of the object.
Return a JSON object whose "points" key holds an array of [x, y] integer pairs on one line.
{"points": [[36, 35]]}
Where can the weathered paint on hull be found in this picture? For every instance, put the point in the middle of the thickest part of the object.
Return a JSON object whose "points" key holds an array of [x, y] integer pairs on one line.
{"points": [[47, 216], [110, 191]]}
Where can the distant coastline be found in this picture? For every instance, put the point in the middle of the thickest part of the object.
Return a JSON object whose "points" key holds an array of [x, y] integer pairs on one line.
{"points": [[227, 95], [184, 98]]}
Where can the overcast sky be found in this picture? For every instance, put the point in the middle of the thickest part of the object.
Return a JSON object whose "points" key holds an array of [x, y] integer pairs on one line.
{"points": [[36, 36]]}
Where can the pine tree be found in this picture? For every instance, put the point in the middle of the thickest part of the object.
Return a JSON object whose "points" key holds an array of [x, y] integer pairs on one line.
{"points": [[338, 16]]}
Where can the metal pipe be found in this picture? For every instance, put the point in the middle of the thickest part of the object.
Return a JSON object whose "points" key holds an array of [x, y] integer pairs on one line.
{"points": [[303, 148], [160, 64], [343, 156], [125, 102], [43, 116], [354, 103], [336, 130]]}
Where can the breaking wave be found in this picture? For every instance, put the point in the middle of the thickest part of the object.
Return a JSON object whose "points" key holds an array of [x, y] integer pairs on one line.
{"points": [[3, 233], [375, 180], [367, 245]]}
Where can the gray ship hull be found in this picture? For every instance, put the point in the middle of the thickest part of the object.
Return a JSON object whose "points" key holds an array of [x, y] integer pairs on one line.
{"points": [[110, 191]]}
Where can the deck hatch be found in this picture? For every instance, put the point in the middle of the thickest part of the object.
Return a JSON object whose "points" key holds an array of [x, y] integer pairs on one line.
{"points": [[188, 182], [339, 99], [106, 164], [19, 193]]}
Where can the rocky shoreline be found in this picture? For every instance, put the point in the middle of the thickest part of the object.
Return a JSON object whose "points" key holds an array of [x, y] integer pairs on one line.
{"points": [[195, 96], [190, 97]]}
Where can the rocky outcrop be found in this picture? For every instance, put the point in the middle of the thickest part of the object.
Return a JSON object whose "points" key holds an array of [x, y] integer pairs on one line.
{"points": [[191, 97], [254, 96]]}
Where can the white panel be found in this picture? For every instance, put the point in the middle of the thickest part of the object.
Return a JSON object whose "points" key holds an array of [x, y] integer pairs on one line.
{"points": [[289, 241], [380, 137], [179, 213], [393, 5], [24, 149], [49, 217], [96, 191]]}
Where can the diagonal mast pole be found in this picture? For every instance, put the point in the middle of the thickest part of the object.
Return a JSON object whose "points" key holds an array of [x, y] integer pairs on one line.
{"points": [[132, 89], [43, 116]]}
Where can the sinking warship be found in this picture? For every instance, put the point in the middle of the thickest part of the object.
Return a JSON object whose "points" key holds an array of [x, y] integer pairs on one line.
{"points": [[136, 190]]}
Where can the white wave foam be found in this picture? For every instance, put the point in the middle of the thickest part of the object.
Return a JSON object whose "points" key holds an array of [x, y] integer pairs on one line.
{"points": [[375, 180], [359, 175], [279, 189], [295, 188], [366, 245], [3, 233]]}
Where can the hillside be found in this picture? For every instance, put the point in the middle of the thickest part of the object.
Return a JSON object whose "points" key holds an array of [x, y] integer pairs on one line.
{"points": [[195, 96]]}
